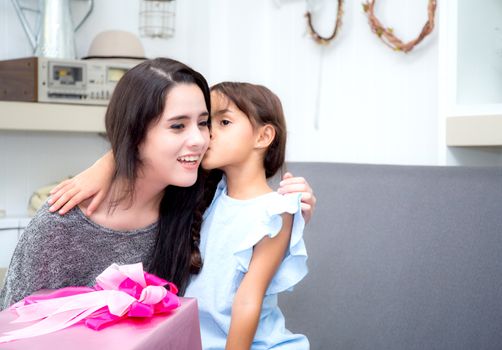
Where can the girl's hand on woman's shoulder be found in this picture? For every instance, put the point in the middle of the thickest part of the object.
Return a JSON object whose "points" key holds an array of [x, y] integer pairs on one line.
{"points": [[291, 184], [93, 182]]}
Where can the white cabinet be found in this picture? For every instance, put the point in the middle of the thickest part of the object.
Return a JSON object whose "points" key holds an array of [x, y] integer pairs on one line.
{"points": [[10, 231], [470, 72]]}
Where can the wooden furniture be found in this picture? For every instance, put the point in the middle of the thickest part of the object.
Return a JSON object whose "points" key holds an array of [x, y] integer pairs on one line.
{"points": [[19, 80]]}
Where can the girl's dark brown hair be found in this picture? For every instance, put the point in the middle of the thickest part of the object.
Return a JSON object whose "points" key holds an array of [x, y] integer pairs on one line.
{"points": [[138, 101], [262, 107]]}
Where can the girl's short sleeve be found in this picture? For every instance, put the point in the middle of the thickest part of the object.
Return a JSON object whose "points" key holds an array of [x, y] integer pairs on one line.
{"points": [[294, 266]]}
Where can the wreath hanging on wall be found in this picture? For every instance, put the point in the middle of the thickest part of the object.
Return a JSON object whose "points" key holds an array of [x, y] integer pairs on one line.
{"points": [[387, 34], [325, 40]]}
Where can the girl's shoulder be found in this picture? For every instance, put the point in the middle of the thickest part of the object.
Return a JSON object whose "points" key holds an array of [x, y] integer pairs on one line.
{"points": [[271, 203], [275, 203], [272, 208]]}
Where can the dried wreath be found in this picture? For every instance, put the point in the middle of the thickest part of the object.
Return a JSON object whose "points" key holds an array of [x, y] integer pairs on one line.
{"points": [[387, 34], [338, 23]]}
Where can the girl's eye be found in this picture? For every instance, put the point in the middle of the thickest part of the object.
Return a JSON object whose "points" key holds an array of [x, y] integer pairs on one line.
{"points": [[225, 122], [177, 126]]}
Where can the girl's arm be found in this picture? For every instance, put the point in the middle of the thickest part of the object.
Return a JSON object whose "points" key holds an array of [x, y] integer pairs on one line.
{"points": [[94, 181], [246, 308]]}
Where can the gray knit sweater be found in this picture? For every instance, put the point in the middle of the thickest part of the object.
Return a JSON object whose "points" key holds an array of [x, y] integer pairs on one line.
{"points": [[60, 251]]}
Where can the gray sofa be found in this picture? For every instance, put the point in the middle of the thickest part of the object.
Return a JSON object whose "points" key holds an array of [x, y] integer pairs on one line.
{"points": [[401, 257]]}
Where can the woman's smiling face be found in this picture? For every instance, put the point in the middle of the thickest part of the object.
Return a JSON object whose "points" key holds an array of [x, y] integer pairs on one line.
{"points": [[175, 144]]}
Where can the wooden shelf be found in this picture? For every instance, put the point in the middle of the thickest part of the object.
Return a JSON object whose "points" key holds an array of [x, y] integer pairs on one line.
{"points": [[474, 130], [35, 116]]}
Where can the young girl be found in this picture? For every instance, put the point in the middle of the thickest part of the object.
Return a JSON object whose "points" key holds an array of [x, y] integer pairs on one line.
{"points": [[251, 238], [157, 124]]}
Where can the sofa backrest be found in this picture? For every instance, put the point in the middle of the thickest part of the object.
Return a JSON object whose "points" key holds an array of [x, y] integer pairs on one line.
{"points": [[401, 257]]}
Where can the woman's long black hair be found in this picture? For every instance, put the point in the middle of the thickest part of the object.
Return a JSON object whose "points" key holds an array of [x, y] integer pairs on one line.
{"points": [[139, 100]]}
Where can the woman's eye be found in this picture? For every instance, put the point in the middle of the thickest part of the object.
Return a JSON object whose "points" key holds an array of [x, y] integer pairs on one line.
{"points": [[177, 126], [225, 122], [204, 123]]}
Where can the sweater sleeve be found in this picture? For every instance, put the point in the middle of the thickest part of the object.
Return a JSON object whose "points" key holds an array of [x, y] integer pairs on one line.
{"points": [[31, 268]]}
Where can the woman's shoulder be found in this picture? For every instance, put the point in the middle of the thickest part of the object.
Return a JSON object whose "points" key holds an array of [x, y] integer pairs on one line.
{"points": [[45, 217], [45, 222]]}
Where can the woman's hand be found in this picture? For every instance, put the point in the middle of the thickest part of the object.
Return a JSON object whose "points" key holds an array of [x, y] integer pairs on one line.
{"points": [[290, 184], [94, 181]]}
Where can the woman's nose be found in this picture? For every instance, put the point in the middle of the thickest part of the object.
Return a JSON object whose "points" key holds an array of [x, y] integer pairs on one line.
{"points": [[198, 138]]}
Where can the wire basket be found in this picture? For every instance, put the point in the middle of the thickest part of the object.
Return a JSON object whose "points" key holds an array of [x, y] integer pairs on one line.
{"points": [[156, 18]]}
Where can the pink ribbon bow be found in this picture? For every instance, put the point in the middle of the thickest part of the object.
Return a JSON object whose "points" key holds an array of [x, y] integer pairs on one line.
{"points": [[120, 292]]}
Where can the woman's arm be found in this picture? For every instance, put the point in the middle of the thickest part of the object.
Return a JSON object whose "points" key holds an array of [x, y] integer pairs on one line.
{"points": [[290, 184], [246, 308], [94, 181]]}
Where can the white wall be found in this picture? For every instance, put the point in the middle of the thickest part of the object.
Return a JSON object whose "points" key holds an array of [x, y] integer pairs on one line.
{"points": [[375, 105], [31, 160]]}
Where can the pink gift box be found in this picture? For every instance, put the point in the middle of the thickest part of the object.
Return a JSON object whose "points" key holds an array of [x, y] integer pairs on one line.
{"points": [[178, 330]]}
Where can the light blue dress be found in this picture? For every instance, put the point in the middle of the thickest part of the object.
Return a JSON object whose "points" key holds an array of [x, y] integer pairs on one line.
{"points": [[230, 230]]}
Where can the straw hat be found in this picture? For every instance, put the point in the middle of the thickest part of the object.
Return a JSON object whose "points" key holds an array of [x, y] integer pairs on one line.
{"points": [[116, 44]]}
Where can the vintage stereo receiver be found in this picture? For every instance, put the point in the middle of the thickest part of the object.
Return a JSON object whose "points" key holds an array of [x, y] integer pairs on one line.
{"points": [[41, 79]]}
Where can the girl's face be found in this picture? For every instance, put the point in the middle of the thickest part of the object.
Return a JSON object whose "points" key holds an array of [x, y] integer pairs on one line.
{"points": [[175, 144], [232, 135]]}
